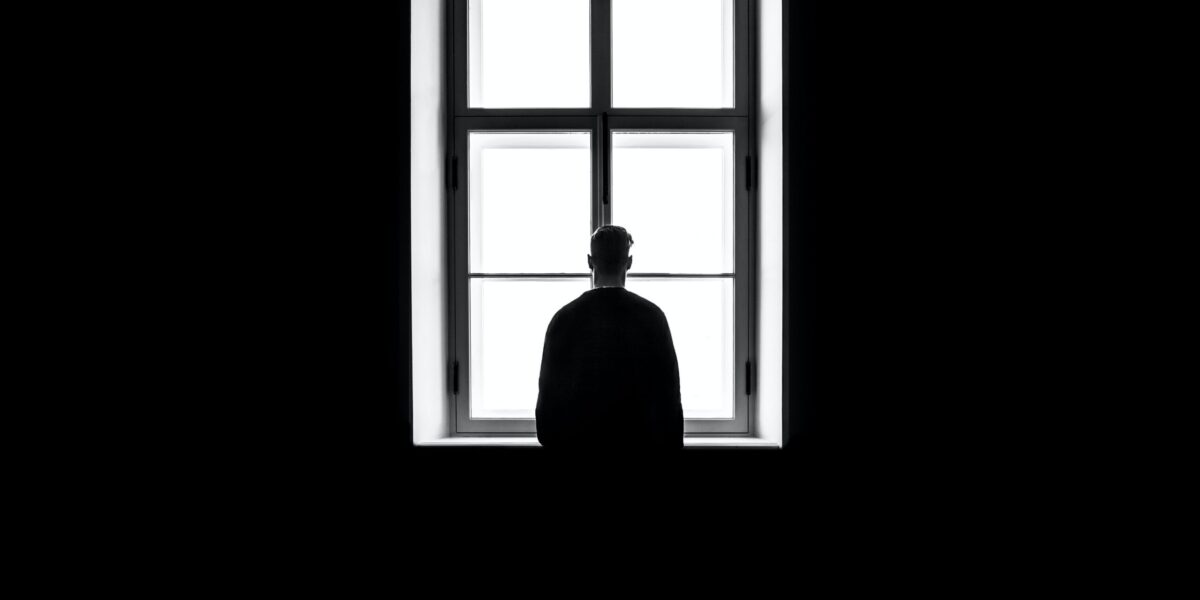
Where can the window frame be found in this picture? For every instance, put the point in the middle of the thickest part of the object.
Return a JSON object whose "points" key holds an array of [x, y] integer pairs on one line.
{"points": [[601, 120]]}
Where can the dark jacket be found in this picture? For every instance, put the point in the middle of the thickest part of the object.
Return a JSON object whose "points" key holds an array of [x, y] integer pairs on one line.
{"points": [[610, 377]]}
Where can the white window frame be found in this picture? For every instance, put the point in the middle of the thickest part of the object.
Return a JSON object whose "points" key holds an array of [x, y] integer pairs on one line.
{"points": [[439, 273]]}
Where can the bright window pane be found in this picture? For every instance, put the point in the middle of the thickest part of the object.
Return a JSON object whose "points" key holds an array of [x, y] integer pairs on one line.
{"points": [[530, 202], [509, 318], [672, 53], [674, 192], [700, 313], [529, 53]]}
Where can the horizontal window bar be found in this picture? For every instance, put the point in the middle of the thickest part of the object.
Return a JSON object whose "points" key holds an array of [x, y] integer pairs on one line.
{"points": [[619, 112], [690, 275], [503, 275], [679, 274]]}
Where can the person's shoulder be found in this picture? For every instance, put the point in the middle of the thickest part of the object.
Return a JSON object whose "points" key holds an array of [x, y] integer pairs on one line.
{"points": [[564, 313], [646, 305], [574, 305]]}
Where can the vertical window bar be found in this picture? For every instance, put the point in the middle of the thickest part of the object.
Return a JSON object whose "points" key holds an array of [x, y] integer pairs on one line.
{"points": [[597, 178], [605, 160], [601, 55]]}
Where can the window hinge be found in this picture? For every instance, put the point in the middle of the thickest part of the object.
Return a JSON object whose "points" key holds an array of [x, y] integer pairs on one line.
{"points": [[454, 378], [749, 172], [452, 172], [747, 378]]}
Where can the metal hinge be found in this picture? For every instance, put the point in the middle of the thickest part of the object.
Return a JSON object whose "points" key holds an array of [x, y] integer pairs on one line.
{"points": [[747, 378], [454, 378]]}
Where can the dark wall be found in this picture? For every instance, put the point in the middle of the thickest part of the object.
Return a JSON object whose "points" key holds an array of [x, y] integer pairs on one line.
{"points": [[295, 148], [290, 166]]}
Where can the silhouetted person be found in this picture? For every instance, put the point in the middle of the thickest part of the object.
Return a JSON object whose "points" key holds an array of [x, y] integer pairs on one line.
{"points": [[610, 377]]}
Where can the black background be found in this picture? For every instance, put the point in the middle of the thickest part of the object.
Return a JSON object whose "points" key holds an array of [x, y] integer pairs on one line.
{"points": [[901, 182]]}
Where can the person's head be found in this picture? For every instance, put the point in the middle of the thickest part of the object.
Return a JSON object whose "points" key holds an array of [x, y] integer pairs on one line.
{"points": [[610, 250]]}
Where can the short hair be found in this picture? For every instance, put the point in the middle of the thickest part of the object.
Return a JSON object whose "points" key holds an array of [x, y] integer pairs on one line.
{"points": [[610, 246]]}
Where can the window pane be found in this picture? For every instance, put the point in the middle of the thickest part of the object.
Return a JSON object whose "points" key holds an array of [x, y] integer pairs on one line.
{"points": [[672, 53], [701, 315], [674, 193], [529, 53], [508, 327], [530, 202]]}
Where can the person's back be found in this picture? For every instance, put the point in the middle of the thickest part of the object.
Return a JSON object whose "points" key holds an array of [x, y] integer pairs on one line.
{"points": [[609, 376]]}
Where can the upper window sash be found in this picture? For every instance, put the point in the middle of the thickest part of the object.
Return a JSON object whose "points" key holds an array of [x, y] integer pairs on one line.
{"points": [[601, 66]]}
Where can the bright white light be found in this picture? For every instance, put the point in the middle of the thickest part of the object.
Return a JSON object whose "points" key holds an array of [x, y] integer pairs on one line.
{"points": [[674, 193], [700, 313], [530, 202], [672, 53], [508, 329], [529, 53]]}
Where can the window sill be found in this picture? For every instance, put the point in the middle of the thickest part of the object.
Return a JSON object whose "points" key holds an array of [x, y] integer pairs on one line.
{"points": [[690, 442]]}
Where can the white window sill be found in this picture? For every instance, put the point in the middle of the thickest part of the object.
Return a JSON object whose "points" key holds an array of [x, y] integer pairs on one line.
{"points": [[688, 442]]}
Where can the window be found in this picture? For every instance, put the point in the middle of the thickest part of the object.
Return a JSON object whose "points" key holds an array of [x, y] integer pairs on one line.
{"points": [[565, 115]]}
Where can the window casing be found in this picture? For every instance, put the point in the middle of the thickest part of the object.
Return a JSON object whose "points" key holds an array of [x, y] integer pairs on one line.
{"points": [[601, 122]]}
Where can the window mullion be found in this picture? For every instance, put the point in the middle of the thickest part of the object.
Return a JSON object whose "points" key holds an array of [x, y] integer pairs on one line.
{"points": [[601, 55], [597, 173], [606, 169], [601, 102]]}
